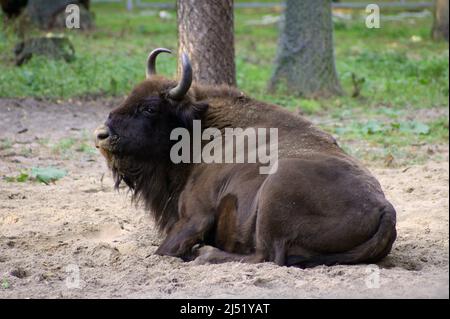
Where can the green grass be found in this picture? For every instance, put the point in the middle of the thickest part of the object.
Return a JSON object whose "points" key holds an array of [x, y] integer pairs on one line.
{"points": [[86, 148], [66, 146], [5, 284], [43, 175], [5, 144], [110, 60], [402, 67], [401, 133]]}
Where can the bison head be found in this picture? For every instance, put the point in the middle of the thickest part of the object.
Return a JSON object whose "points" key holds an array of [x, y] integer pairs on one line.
{"points": [[135, 138]]}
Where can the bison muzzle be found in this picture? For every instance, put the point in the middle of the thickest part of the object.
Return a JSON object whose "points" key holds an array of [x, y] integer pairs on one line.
{"points": [[320, 207]]}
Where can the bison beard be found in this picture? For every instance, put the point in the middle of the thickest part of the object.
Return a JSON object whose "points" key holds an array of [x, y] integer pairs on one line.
{"points": [[321, 207], [148, 185]]}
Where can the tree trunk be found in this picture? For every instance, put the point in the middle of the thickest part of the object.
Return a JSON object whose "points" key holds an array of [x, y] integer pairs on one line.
{"points": [[305, 60], [50, 46], [440, 27], [206, 34]]}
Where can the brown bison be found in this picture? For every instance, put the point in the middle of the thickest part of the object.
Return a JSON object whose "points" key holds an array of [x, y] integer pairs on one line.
{"points": [[320, 207]]}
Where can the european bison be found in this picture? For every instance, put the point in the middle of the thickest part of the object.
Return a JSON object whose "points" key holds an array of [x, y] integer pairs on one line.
{"points": [[319, 207]]}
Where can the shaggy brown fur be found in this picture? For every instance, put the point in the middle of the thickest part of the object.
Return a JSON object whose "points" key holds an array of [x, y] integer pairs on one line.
{"points": [[320, 207]]}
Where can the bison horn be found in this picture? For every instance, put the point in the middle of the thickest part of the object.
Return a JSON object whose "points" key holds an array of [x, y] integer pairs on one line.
{"points": [[151, 60], [178, 92]]}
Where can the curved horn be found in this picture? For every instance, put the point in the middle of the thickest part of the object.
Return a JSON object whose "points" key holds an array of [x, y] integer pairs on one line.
{"points": [[151, 61], [178, 92]]}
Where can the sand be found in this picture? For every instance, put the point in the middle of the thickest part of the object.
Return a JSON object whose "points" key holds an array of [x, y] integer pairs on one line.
{"points": [[78, 238]]}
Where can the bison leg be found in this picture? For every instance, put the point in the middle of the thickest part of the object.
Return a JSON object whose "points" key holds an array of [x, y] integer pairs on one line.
{"points": [[183, 236], [212, 255]]}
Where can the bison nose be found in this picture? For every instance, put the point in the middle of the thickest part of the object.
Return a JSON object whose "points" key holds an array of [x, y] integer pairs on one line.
{"points": [[101, 133]]}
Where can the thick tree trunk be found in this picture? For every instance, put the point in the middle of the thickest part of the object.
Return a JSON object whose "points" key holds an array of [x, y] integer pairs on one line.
{"points": [[206, 34], [305, 60], [440, 27], [52, 47]]}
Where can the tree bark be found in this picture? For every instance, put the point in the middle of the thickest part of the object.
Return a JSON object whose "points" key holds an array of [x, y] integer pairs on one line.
{"points": [[440, 26], [305, 60], [206, 34], [52, 47]]}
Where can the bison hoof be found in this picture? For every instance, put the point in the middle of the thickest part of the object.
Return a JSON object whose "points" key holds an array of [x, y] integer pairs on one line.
{"points": [[205, 255]]}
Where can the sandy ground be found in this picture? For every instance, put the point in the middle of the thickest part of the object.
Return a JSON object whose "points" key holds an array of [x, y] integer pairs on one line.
{"points": [[78, 238]]}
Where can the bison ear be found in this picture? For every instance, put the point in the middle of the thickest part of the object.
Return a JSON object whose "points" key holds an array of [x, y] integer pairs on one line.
{"points": [[192, 111]]}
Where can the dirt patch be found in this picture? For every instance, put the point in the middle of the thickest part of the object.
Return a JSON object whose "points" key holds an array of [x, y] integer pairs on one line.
{"points": [[80, 228]]}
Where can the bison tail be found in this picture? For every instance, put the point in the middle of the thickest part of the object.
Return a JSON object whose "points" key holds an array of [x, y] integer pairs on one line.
{"points": [[373, 250]]}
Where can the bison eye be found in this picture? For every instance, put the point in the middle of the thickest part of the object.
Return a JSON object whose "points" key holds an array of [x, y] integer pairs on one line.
{"points": [[149, 112]]}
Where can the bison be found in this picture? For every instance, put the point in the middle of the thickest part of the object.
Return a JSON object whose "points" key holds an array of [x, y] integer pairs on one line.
{"points": [[320, 207]]}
